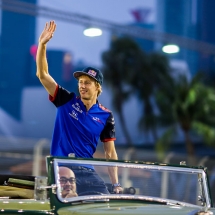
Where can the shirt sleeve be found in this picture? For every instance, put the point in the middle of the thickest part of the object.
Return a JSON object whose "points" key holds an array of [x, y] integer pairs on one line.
{"points": [[108, 133], [61, 96]]}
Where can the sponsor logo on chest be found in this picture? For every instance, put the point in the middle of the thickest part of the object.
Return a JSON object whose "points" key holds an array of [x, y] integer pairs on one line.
{"points": [[77, 107], [74, 115], [97, 119]]}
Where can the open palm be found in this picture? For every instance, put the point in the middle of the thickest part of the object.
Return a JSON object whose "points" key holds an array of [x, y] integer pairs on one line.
{"points": [[48, 32]]}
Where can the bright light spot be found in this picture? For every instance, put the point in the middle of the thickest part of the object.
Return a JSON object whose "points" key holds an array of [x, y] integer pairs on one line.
{"points": [[176, 207], [92, 32], [170, 49]]}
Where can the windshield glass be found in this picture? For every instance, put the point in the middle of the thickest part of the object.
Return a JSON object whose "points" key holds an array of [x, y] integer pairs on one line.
{"points": [[89, 179]]}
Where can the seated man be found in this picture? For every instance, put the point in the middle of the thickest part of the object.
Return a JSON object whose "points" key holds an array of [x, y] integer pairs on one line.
{"points": [[68, 182], [88, 181]]}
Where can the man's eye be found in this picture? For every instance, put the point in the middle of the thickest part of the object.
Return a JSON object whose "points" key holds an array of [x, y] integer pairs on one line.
{"points": [[84, 83]]}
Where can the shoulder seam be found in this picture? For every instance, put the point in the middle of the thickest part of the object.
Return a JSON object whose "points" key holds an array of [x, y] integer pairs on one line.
{"points": [[104, 108]]}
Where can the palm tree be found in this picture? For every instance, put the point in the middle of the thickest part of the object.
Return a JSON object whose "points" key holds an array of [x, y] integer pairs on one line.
{"points": [[119, 62], [191, 106], [154, 75], [129, 70]]}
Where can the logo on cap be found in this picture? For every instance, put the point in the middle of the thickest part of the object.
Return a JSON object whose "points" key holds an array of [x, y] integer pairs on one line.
{"points": [[92, 72]]}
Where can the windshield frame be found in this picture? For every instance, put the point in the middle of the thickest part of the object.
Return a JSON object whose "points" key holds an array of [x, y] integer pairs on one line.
{"points": [[152, 166]]}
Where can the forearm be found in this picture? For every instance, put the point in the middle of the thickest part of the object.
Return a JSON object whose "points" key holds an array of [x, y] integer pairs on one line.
{"points": [[41, 61], [42, 70], [113, 171], [113, 174]]}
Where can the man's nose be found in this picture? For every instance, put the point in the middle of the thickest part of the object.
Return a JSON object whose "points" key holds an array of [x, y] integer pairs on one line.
{"points": [[67, 182]]}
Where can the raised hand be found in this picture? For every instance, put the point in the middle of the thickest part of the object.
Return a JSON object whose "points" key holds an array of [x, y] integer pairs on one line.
{"points": [[48, 32]]}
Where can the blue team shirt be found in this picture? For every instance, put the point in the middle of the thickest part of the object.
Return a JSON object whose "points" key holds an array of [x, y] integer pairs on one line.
{"points": [[77, 130]]}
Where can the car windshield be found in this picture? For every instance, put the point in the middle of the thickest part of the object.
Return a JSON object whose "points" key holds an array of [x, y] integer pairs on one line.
{"points": [[90, 180]]}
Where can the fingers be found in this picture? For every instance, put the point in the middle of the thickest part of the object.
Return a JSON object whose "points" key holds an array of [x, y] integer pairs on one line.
{"points": [[118, 190], [71, 195], [46, 26], [52, 26], [48, 32]]}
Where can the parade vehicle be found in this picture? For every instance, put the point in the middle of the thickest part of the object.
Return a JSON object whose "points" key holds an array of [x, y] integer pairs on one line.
{"points": [[148, 188]]}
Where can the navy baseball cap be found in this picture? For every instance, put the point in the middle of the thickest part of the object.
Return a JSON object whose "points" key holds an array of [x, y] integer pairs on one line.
{"points": [[92, 72]]}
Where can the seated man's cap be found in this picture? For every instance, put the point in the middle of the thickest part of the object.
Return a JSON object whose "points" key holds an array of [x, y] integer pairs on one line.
{"points": [[92, 72]]}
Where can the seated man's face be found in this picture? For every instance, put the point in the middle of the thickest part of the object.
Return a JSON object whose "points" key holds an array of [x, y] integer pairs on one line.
{"points": [[68, 182]]}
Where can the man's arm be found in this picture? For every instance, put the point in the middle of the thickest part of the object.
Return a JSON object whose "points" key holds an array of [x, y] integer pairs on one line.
{"points": [[41, 61], [110, 153]]}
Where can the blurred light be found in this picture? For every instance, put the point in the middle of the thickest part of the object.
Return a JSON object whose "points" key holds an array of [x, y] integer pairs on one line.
{"points": [[170, 49], [92, 32], [33, 51]]}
